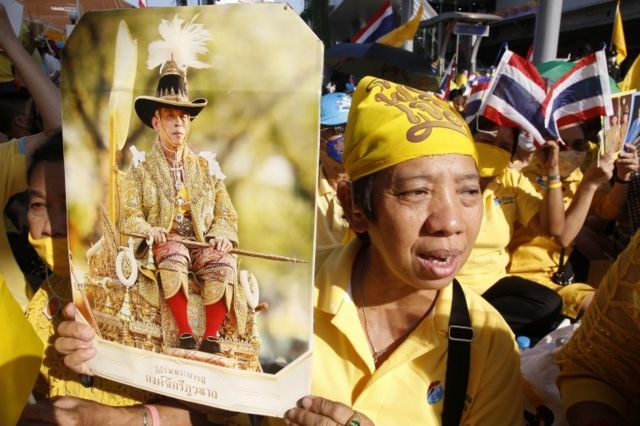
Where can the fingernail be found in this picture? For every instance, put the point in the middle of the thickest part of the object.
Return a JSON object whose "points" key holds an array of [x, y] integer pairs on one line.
{"points": [[69, 308], [306, 402]]}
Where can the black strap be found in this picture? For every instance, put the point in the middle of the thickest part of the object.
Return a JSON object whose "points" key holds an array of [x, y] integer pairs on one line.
{"points": [[458, 358], [563, 276]]}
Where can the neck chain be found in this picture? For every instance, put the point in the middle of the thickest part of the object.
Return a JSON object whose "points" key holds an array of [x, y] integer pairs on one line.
{"points": [[377, 353], [176, 167], [380, 354], [177, 173]]}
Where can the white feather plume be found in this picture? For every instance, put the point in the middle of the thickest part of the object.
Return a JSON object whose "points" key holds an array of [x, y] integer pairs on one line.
{"points": [[179, 43]]}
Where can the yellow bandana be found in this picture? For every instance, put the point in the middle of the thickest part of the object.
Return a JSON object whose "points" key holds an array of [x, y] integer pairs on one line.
{"points": [[390, 123]]}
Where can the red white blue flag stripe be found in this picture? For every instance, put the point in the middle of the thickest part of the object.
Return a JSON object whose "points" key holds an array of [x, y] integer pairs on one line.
{"points": [[515, 96], [380, 24], [478, 90], [580, 94], [445, 82]]}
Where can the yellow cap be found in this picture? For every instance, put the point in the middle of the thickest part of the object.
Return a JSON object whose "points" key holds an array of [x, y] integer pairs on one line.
{"points": [[390, 123]]}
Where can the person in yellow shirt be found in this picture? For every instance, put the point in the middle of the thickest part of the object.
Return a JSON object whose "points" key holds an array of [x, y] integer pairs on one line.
{"points": [[332, 228], [383, 302], [508, 198], [10, 81], [599, 365], [103, 399], [15, 154], [389, 346], [20, 357], [462, 78], [537, 257]]}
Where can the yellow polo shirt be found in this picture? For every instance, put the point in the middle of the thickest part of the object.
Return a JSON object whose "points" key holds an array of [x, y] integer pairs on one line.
{"points": [[13, 179], [6, 73], [508, 199], [602, 360], [332, 229], [536, 257], [55, 378], [408, 387], [20, 357]]}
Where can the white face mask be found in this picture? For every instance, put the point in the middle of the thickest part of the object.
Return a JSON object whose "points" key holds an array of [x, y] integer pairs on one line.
{"points": [[570, 160], [525, 142]]}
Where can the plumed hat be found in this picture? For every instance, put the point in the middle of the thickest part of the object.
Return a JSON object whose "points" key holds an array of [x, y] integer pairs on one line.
{"points": [[174, 54]]}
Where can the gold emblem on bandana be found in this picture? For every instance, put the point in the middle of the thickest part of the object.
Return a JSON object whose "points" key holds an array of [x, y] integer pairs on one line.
{"points": [[390, 123]]}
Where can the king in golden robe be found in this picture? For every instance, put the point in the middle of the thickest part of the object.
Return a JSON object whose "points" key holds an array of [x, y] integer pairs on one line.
{"points": [[174, 196]]}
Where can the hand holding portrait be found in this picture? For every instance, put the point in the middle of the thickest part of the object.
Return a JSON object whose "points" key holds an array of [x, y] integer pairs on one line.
{"points": [[600, 171], [627, 162], [75, 342], [314, 410]]}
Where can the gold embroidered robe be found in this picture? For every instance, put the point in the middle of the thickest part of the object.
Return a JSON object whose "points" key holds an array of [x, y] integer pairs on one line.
{"points": [[148, 198]]}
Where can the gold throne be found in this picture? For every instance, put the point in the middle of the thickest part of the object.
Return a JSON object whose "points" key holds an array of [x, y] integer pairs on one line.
{"points": [[126, 304]]}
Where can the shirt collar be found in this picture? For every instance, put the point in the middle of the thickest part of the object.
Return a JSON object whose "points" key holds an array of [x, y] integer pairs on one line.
{"points": [[333, 276], [324, 187]]}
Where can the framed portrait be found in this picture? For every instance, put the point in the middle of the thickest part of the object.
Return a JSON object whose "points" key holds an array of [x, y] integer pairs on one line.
{"points": [[632, 134], [616, 125], [191, 155]]}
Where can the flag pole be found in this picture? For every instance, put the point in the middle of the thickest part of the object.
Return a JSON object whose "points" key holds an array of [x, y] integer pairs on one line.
{"points": [[547, 31]]}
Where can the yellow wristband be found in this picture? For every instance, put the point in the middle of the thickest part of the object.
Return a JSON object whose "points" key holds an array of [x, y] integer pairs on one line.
{"points": [[554, 185]]}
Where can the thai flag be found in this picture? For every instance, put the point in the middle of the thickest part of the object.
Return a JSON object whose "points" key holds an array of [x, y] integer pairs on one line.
{"points": [[478, 90], [580, 94], [445, 83], [380, 24], [515, 96]]}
